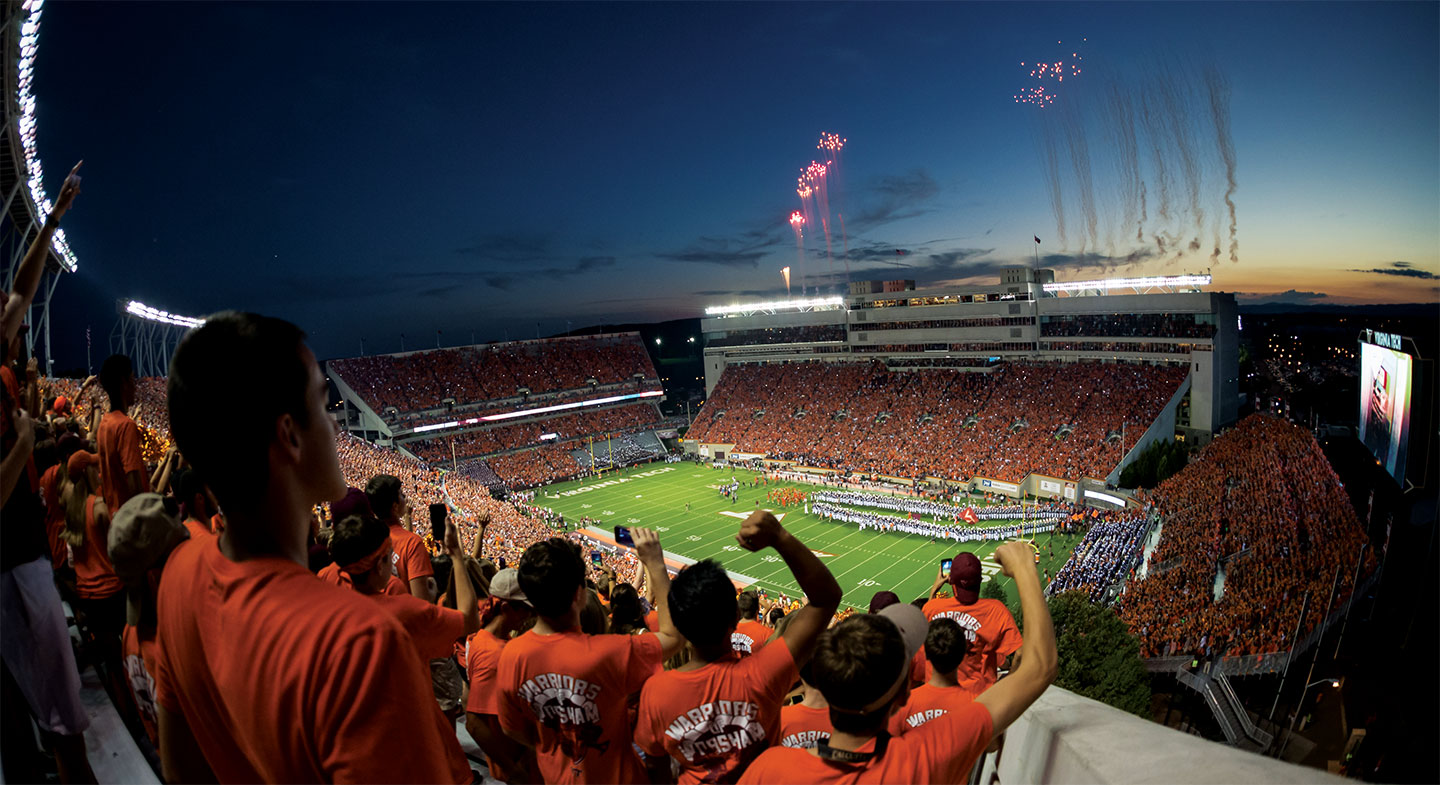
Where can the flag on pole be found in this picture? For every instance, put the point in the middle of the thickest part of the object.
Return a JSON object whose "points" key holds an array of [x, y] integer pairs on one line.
{"points": [[1037, 240]]}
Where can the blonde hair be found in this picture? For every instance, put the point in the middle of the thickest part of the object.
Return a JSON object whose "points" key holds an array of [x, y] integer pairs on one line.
{"points": [[73, 498]]}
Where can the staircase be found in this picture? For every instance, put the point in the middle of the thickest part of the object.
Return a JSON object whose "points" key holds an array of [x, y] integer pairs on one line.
{"points": [[1240, 731]]}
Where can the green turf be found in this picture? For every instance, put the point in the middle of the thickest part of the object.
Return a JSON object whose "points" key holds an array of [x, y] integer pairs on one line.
{"points": [[863, 562]]}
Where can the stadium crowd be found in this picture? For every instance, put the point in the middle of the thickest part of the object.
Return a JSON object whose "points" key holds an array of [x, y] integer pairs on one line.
{"points": [[1060, 420], [1262, 499], [1127, 325], [423, 380], [566, 427], [499, 607]]}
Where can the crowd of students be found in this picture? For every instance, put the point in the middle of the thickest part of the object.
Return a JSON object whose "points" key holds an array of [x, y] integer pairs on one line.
{"points": [[1263, 501], [1128, 324], [424, 379], [1060, 420], [250, 666], [567, 428]]}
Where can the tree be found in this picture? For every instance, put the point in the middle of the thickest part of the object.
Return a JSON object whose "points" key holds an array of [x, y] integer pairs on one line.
{"points": [[1099, 657], [1155, 465]]}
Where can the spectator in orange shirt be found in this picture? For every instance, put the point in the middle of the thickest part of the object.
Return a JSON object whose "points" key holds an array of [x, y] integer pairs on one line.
{"points": [[122, 469], [332, 705], [944, 648], [99, 598], [563, 692], [718, 711], [409, 554], [505, 613], [861, 665], [195, 511], [990, 631], [142, 536], [805, 724], [749, 634]]}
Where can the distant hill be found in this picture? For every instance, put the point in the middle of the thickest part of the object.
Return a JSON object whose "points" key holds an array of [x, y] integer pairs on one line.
{"points": [[1390, 311]]}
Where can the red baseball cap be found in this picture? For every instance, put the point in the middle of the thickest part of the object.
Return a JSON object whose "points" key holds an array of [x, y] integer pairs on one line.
{"points": [[79, 462], [61, 404], [965, 577]]}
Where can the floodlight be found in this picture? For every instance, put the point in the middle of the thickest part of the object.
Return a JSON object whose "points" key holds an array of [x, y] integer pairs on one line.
{"points": [[778, 305], [144, 311]]}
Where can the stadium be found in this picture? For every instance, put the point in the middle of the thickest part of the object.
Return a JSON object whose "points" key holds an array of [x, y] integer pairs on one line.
{"points": [[1210, 546]]}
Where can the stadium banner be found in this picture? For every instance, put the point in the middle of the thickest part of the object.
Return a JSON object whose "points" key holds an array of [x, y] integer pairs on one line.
{"points": [[997, 485], [1049, 486], [746, 456], [1069, 492]]}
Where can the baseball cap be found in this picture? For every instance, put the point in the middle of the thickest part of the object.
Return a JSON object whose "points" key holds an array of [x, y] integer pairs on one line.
{"points": [[506, 586], [79, 462], [883, 600], [354, 502], [144, 531], [965, 576], [61, 404], [913, 627]]}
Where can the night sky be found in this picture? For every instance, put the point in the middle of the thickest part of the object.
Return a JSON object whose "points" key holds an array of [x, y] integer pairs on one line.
{"points": [[367, 170]]}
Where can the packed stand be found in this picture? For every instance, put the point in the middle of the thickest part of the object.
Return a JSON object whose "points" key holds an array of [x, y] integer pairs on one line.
{"points": [[566, 427], [1141, 325], [773, 335], [1263, 498], [423, 380], [1054, 419]]}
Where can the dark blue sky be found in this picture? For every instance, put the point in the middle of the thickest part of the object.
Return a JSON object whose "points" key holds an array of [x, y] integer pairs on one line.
{"points": [[369, 169]]}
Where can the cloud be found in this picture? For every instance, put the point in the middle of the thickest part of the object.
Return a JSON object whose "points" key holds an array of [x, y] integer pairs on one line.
{"points": [[587, 263], [893, 198], [1403, 269], [511, 247], [746, 249], [1290, 296]]}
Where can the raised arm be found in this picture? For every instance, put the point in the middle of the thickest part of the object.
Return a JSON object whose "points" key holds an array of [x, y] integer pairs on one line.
{"points": [[482, 521], [647, 547], [1039, 660], [763, 530], [466, 600], [13, 465], [32, 267]]}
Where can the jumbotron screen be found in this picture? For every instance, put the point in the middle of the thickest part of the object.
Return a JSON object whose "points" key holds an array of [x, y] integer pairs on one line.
{"points": [[1385, 386]]}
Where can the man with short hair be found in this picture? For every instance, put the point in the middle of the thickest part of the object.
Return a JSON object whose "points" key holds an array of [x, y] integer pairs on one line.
{"points": [[409, 555], [264, 674], [944, 648], [506, 611], [564, 692], [807, 723], [122, 468], [861, 666], [750, 635], [715, 713], [990, 631]]}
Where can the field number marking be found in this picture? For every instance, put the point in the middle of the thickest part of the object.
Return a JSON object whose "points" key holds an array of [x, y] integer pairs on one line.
{"points": [[866, 582], [693, 538]]}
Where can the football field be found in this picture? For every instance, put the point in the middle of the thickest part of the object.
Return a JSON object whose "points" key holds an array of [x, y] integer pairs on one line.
{"points": [[863, 562]]}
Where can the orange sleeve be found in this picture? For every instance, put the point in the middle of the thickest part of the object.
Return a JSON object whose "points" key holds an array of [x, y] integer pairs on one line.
{"points": [[480, 667], [1009, 640], [773, 671], [435, 631], [417, 561], [364, 704], [643, 660], [515, 719], [128, 445]]}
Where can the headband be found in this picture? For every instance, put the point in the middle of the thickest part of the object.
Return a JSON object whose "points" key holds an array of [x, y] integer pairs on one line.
{"points": [[366, 563]]}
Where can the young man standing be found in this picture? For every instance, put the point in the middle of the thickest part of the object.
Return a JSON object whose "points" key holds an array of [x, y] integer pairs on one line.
{"points": [[507, 610], [564, 692], [264, 674], [718, 711], [990, 631], [410, 557], [861, 666], [750, 635], [944, 649], [122, 469]]}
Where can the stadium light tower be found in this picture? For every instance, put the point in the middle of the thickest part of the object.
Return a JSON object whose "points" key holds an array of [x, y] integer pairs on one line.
{"points": [[24, 213], [149, 336]]}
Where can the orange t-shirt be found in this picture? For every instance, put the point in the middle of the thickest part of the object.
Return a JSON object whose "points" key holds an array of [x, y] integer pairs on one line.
{"points": [[433, 629], [138, 650], [282, 678], [992, 634], [118, 440], [54, 515], [749, 636], [652, 621], [482, 659], [332, 575], [408, 555], [938, 751], [715, 719], [94, 576], [802, 727], [217, 524], [570, 689], [925, 704], [198, 530]]}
